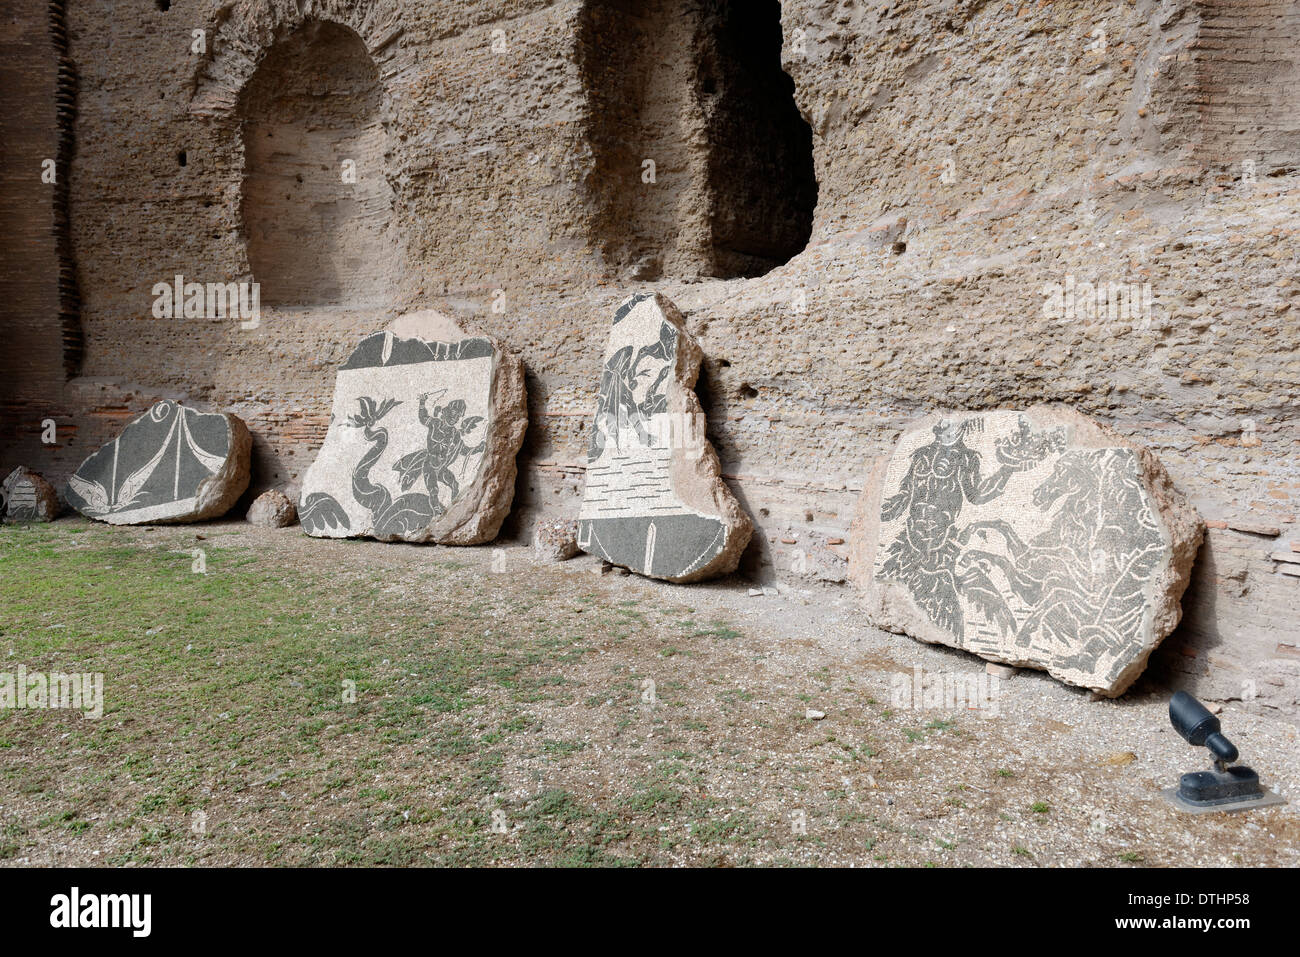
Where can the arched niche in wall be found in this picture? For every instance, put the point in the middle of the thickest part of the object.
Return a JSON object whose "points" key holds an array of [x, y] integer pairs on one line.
{"points": [[696, 88], [316, 207]]}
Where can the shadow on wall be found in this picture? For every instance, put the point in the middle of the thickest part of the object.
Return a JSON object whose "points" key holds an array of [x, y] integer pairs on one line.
{"points": [[316, 207], [1230, 644], [703, 165]]}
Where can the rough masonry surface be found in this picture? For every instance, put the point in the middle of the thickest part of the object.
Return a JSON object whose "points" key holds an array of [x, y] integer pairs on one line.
{"points": [[29, 498], [977, 170]]}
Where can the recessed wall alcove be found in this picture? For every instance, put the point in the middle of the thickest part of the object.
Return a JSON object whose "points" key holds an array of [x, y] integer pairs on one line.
{"points": [[697, 87], [316, 206]]}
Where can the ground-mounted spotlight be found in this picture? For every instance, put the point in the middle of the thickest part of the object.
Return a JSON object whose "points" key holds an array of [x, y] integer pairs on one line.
{"points": [[1226, 786]]}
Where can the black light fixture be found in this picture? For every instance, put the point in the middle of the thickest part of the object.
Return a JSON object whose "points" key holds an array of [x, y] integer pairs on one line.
{"points": [[1226, 786]]}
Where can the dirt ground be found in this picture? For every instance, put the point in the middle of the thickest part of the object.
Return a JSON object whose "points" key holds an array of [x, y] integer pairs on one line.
{"points": [[515, 713]]}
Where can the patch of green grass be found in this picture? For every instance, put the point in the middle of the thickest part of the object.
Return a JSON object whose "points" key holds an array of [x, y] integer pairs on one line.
{"points": [[725, 829], [237, 681], [562, 748], [10, 835], [654, 798], [232, 692], [68, 821], [719, 630], [151, 804], [738, 694], [560, 830]]}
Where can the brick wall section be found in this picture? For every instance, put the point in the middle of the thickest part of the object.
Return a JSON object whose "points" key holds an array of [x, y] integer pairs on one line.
{"points": [[31, 362], [1247, 71]]}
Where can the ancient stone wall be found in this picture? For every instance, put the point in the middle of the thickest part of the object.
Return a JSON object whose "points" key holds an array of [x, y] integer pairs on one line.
{"points": [[982, 171]]}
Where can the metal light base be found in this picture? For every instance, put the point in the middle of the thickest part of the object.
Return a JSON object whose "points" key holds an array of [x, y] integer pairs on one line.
{"points": [[1267, 799], [1222, 788]]}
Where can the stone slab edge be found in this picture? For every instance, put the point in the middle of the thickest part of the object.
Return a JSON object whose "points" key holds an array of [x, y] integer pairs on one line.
{"points": [[697, 474], [476, 516]]}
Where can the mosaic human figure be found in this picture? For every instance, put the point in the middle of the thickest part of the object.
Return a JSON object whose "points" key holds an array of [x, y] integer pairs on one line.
{"points": [[445, 446], [617, 406], [1084, 578], [942, 477]]}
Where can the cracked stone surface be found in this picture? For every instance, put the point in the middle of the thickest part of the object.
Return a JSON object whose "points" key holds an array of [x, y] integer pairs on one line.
{"points": [[1036, 539], [427, 419]]}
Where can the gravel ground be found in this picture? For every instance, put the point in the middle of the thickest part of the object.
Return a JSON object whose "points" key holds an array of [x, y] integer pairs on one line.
{"points": [[653, 724]]}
